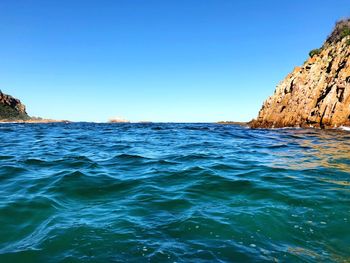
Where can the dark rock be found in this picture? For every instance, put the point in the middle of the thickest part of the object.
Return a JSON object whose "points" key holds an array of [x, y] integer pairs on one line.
{"points": [[11, 108]]}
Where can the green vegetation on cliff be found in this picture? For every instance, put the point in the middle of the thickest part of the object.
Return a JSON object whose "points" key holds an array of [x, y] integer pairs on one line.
{"points": [[8, 113], [341, 30], [314, 52], [11, 108]]}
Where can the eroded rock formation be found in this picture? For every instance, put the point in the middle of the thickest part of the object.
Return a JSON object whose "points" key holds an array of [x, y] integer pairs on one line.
{"points": [[11, 108], [316, 94]]}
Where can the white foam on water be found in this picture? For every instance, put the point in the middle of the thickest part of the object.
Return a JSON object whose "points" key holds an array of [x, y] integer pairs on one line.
{"points": [[344, 128]]}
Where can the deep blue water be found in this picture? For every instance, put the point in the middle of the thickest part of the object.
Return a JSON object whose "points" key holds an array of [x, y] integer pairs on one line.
{"points": [[85, 192]]}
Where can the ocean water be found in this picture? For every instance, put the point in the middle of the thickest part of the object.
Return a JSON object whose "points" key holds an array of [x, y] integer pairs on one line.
{"points": [[86, 192]]}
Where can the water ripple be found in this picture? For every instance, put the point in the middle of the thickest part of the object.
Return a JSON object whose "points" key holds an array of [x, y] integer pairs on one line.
{"points": [[173, 193]]}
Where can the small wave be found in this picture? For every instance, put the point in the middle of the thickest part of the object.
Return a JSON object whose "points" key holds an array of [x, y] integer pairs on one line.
{"points": [[78, 161], [126, 156], [344, 128], [77, 184], [12, 171], [33, 161], [194, 128], [6, 157], [193, 157]]}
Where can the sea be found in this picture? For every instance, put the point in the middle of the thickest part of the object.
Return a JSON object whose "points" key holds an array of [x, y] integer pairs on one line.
{"points": [[165, 192]]}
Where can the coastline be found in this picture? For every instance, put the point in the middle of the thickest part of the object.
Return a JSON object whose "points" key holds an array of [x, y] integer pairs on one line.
{"points": [[249, 125], [240, 123], [44, 121]]}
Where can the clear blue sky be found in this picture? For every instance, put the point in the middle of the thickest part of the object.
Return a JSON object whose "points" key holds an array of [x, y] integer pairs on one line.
{"points": [[156, 60]]}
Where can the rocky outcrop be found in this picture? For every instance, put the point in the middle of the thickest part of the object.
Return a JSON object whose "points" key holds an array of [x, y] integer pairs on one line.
{"points": [[118, 120], [12, 108], [317, 94]]}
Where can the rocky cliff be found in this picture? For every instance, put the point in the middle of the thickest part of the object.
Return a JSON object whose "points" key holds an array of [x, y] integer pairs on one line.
{"points": [[317, 94], [12, 108]]}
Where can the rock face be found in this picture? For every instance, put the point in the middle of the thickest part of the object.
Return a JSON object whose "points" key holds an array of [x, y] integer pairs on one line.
{"points": [[11, 108], [317, 94], [118, 120]]}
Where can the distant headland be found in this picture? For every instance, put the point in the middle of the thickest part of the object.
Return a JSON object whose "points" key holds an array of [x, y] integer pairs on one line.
{"points": [[12, 110]]}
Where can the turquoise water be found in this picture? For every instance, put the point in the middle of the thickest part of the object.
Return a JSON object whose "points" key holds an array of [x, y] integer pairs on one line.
{"points": [[173, 193]]}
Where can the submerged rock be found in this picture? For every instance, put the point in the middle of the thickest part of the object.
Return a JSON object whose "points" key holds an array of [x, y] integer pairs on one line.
{"points": [[317, 94], [12, 108]]}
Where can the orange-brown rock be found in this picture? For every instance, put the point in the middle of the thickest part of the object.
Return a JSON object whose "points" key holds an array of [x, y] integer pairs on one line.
{"points": [[316, 94]]}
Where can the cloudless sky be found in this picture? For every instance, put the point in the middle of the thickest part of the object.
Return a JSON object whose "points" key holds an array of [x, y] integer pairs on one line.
{"points": [[156, 60]]}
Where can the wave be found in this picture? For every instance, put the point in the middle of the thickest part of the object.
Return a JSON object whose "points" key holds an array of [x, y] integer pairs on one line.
{"points": [[344, 128]]}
